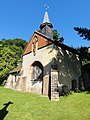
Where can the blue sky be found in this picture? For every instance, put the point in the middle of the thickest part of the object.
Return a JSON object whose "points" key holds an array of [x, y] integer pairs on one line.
{"points": [[20, 18]]}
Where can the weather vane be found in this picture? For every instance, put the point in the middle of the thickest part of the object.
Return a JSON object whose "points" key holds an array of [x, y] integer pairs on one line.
{"points": [[46, 7]]}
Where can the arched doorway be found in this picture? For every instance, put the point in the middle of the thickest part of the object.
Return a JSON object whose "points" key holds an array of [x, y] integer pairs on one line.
{"points": [[37, 77]]}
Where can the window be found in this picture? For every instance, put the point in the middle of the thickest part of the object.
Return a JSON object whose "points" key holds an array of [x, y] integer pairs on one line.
{"points": [[35, 45]]}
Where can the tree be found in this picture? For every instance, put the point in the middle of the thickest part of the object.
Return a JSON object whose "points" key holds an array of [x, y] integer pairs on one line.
{"points": [[17, 42], [10, 56], [85, 67], [83, 32], [7, 62], [85, 56], [56, 36]]}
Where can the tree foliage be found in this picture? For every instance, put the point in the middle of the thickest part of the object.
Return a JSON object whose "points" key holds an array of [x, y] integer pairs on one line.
{"points": [[83, 32], [85, 56], [56, 36], [85, 59], [10, 55]]}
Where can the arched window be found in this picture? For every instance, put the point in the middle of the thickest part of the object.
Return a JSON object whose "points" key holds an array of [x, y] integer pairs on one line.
{"points": [[35, 45]]}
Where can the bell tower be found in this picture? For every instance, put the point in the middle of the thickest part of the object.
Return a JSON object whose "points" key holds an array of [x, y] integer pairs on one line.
{"points": [[46, 26]]}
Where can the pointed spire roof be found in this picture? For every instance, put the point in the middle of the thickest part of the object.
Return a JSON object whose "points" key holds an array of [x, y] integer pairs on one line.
{"points": [[46, 26], [46, 17]]}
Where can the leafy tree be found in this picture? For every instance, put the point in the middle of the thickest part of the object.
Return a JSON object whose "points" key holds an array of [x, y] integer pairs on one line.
{"points": [[85, 56], [17, 42], [85, 59], [10, 55], [7, 62], [56, 36], [83, 32], [85, 66]]}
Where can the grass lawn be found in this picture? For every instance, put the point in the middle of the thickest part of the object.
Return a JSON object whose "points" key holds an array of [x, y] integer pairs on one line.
{"points": [[28, 106]]}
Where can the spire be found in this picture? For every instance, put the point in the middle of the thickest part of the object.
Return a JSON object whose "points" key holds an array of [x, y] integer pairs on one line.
{"points": [[46, 17], [46, 26]]}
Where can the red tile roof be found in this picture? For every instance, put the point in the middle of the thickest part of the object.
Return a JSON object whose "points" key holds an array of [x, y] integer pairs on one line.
{"points": [[42, 42]]}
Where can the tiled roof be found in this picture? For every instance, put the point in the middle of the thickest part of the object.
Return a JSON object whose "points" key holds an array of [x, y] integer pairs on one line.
{"points": [[43, 41]]}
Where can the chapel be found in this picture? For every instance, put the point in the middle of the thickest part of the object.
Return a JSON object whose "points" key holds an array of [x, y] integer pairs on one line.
{"points": [[48, 65]]}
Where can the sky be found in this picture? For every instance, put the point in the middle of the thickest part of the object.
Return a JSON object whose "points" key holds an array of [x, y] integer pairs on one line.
{"points": [[20, 18]]}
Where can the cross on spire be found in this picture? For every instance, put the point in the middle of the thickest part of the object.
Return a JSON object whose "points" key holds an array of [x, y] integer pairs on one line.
{"points": [[46, 26], [46, 7], [46, 17]]}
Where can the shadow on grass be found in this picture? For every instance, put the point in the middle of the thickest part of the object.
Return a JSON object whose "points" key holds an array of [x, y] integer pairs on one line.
{"points": [[3, 111], [88, 92]]}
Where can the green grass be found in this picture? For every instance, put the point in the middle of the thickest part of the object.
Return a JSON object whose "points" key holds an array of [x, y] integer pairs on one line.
{"points": [[28, 106]]}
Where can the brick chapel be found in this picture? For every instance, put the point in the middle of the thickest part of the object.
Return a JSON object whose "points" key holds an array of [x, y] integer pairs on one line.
{"points": [[45, 69]]}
